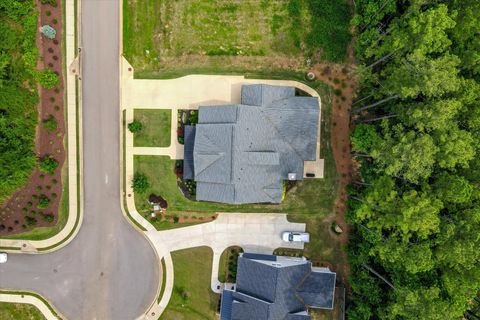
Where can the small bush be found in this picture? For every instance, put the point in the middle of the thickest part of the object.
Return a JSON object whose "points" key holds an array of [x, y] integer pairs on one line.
{"points": [[43, 202], [135, 126], [54, 21], [53, 3], [140, 183], [48, 218], [48, 13], [50, 124], [31, 221], [337, 92], [38, 188], [175, 219], [48, 79], [56, 108], [48, 164]]}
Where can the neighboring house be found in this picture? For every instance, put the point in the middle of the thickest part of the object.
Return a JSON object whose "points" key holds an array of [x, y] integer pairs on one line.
{"points": [[277, 288], [242, 153]]}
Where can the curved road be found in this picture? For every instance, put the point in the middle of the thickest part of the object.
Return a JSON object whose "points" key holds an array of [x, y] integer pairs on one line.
{"points": [[109, 271]]}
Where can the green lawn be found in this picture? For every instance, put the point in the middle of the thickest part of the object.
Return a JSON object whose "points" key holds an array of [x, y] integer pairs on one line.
{"points": [[172, 34], [19, 311], [191, 297], [156, 128]]}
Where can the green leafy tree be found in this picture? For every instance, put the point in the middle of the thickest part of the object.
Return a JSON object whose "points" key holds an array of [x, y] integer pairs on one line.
{"points": [[48, 79], [452, 188], [135, 126], [364, 137], [408, 155], [140, 183]]}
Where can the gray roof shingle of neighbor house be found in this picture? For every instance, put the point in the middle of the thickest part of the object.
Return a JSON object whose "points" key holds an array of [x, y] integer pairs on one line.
{"points": [[280, 288], [241, 153]]}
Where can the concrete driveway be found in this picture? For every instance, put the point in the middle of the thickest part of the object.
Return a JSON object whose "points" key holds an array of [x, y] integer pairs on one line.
{"points": [[109, 271]]}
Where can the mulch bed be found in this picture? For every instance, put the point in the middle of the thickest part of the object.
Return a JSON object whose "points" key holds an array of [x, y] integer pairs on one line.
{"points": [[23, 203]]}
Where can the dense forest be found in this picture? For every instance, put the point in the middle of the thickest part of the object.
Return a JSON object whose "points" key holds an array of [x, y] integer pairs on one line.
{"points": [[415, 202], [18, 93]]}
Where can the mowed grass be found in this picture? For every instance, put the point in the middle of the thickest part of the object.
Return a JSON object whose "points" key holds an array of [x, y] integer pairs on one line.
{"points": [[310, 198], [172, 34], [156, 128], [192, 297], [19, 311]]}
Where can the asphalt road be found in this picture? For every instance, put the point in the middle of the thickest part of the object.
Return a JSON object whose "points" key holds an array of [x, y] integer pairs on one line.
{"points": [[109, 271]]}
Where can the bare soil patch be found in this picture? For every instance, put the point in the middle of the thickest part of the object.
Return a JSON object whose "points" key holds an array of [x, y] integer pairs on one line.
{"points": [[20, 213]]}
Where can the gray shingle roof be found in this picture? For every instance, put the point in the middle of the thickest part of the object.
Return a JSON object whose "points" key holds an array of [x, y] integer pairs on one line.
{"points": [[189, 140], [270, 289], [253, 146]]}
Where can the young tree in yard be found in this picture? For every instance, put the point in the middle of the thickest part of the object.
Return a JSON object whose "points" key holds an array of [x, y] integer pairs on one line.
{"points": [[48, 164], [135, 126], [140, 183], [48, 79], [43, 202]]}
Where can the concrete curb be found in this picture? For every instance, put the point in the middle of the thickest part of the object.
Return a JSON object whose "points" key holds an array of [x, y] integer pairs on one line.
{"points": [[44, 306], [75, 208]]}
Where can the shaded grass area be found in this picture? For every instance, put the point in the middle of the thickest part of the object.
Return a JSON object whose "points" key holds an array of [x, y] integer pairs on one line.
{"points": [[19, 311], [166, 35], [155, 128], [191, 296]]}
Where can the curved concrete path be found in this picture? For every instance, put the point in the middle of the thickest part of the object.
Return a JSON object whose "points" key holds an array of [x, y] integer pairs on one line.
{"points": [[109, 271]]}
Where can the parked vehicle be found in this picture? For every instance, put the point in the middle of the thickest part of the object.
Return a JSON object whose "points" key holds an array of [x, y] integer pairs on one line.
{"points": [[292, 236], [3, 257]]}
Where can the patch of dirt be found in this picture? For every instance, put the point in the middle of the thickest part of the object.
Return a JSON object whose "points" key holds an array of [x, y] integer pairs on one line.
{"points": [[23, 203], [342, 79]]}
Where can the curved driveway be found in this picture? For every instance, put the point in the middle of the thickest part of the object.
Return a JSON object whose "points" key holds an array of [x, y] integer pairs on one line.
{"points": [[109, 271]]}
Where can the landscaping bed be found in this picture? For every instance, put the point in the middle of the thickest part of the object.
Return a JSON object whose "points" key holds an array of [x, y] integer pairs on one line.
{"points": [[40, 202], [227, 269], [192, 297], [155, 131]]}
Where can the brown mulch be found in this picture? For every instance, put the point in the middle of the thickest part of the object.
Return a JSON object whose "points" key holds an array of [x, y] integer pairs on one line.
{"points": [[342, 79], [24, 201]]}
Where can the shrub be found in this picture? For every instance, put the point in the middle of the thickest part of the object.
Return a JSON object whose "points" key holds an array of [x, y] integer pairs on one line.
{"points": [[31, 221], [135, 126], [48, 164], [50, 124], [43, 202], [175, 219], [48, 79], [48, 218], [140, 183], [54, 21], [48, 13], [50, 2]]}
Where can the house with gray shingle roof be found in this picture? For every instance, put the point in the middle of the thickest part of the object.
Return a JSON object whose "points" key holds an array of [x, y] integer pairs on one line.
{"points": [[277, 288], [242, 153]]}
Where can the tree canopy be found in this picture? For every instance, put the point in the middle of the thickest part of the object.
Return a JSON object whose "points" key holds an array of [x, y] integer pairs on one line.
{"points": [[416, 216]]}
